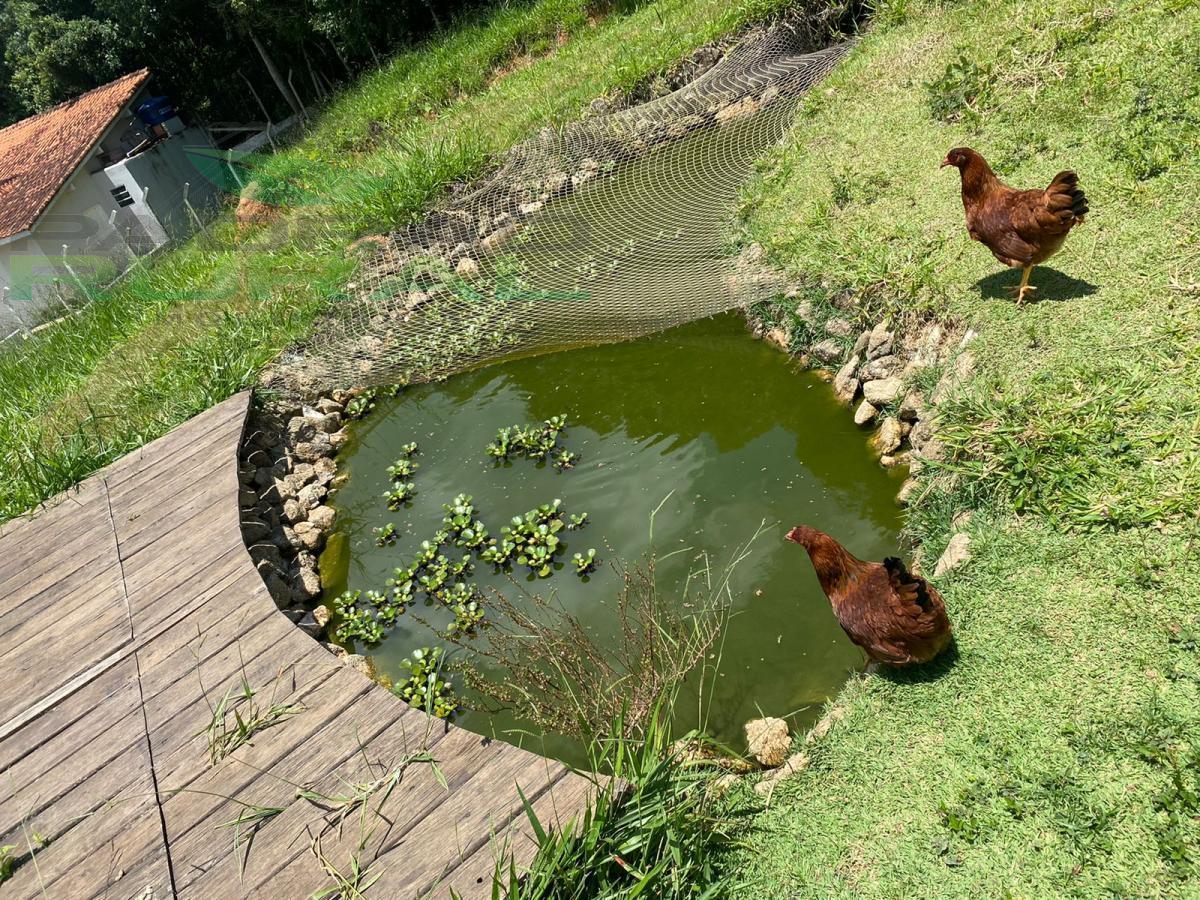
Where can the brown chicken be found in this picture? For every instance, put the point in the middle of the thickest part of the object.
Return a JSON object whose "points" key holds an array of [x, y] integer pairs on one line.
{"points": [[1021, 228], [896, 617]]}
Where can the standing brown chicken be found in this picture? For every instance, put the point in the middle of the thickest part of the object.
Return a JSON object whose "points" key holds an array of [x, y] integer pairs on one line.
{"points": [[896, 617], [1021, 228]]}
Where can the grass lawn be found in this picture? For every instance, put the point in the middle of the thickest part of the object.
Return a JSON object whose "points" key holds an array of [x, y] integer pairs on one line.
{"points": [[198, 324], [1059, 753]]}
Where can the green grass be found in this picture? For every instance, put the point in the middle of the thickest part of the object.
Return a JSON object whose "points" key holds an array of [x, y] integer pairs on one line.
{"points": [[1057, 755], [199, 323]]}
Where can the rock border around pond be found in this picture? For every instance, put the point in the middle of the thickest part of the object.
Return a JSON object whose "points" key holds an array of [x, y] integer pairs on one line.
{"points": [[287, 471], [874, 371]]}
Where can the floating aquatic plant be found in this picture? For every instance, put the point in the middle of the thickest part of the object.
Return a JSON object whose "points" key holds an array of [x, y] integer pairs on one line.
{"points": [[424, 687], [533, 442], [585, 564], [358, 621], [402, 492], [402, 469], [385, 535]]}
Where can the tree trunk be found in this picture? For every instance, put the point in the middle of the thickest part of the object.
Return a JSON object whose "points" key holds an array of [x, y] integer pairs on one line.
{"points": [[288, 94]]}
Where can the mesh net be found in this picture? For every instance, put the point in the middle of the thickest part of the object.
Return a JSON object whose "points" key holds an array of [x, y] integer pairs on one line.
{"points": [[613, 228]]}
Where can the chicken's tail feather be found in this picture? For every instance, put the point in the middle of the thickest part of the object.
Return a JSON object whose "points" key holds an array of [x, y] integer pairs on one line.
{"points": [[1065, 194]]}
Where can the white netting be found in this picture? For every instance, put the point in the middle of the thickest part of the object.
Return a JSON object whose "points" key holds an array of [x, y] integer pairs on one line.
{"points": [[614, 228]]}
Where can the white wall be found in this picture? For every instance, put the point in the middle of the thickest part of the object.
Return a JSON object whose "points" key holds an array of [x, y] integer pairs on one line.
{"points": [[102, 236]]}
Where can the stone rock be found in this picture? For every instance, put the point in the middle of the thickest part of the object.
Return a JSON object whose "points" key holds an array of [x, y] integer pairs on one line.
{"points": [[300, 429], [528, 209], [888, 438], [883, 367], [498, 237], [293, 512], [912, 406], [768, 741], [247, 498], [828, 351], [281, 592], [779, 337], [839, 328], [958, 551], [254, 530], [747, 106], [310, 536], [335, 649], [287, 539], [328, 405], [264, 476], [294, 615], [307, 582], [860, 346], [905, 494], [806, 312], [922, 432], [720, 786], [328, 423], [267, 557], [359, 662], [882, 391], [466, 268], [310, 451], [322, 615], [865, 414], [880, 342], [322, 517], [845, 385], [310, 496], [893, 460], [311, 626]]}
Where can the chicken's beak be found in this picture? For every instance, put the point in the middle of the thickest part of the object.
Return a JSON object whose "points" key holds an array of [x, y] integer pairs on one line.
{"points": [[945, 162], [794, 535]]}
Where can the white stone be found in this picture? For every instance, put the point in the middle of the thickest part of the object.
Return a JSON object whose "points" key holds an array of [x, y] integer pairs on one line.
{"points": [[958, 551], [768, 741]]}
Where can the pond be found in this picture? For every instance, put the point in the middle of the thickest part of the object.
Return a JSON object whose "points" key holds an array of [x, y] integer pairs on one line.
{"points": [[723, 428]]}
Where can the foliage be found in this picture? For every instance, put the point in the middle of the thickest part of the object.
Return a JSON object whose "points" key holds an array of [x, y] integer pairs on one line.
{"points": [[55, 49], [552, 670], [238, 716], [425, 687], [585, 564], [961, 93], [655, 829], [385, 535], [533, 442]]}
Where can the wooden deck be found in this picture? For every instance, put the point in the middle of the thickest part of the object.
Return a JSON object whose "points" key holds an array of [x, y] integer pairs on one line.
{"points": [[118, 602]]}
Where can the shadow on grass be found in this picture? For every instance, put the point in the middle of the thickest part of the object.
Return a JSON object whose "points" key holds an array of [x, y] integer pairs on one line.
{"points": [[1051, 284], [923, 674]]}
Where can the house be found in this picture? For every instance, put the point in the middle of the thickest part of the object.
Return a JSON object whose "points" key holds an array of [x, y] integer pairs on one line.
{"points": [[112, 174]]}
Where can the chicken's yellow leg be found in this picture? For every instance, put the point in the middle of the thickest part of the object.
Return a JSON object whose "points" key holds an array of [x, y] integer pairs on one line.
{"points": [[1025, 287]]}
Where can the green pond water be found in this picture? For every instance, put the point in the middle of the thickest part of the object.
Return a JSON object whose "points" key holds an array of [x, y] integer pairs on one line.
{"points": [[719, 423]]}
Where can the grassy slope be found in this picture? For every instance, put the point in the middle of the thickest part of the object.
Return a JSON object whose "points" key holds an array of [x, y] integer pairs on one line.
{"points": [[200, 322], [1041, 761]]}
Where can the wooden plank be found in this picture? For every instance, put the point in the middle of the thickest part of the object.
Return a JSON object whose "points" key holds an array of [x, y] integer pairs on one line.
{"points": [[40, 731], [47, 524], [76, 536], [182, 445], [485, 804], [229, 586], [284, 843], [180, 507], [35, 780], [88, 607], [559, 808], [95, 858]]}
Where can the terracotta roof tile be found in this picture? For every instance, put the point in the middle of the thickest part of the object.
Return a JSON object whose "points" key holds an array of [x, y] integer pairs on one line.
{"points": [[39, 154]]}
